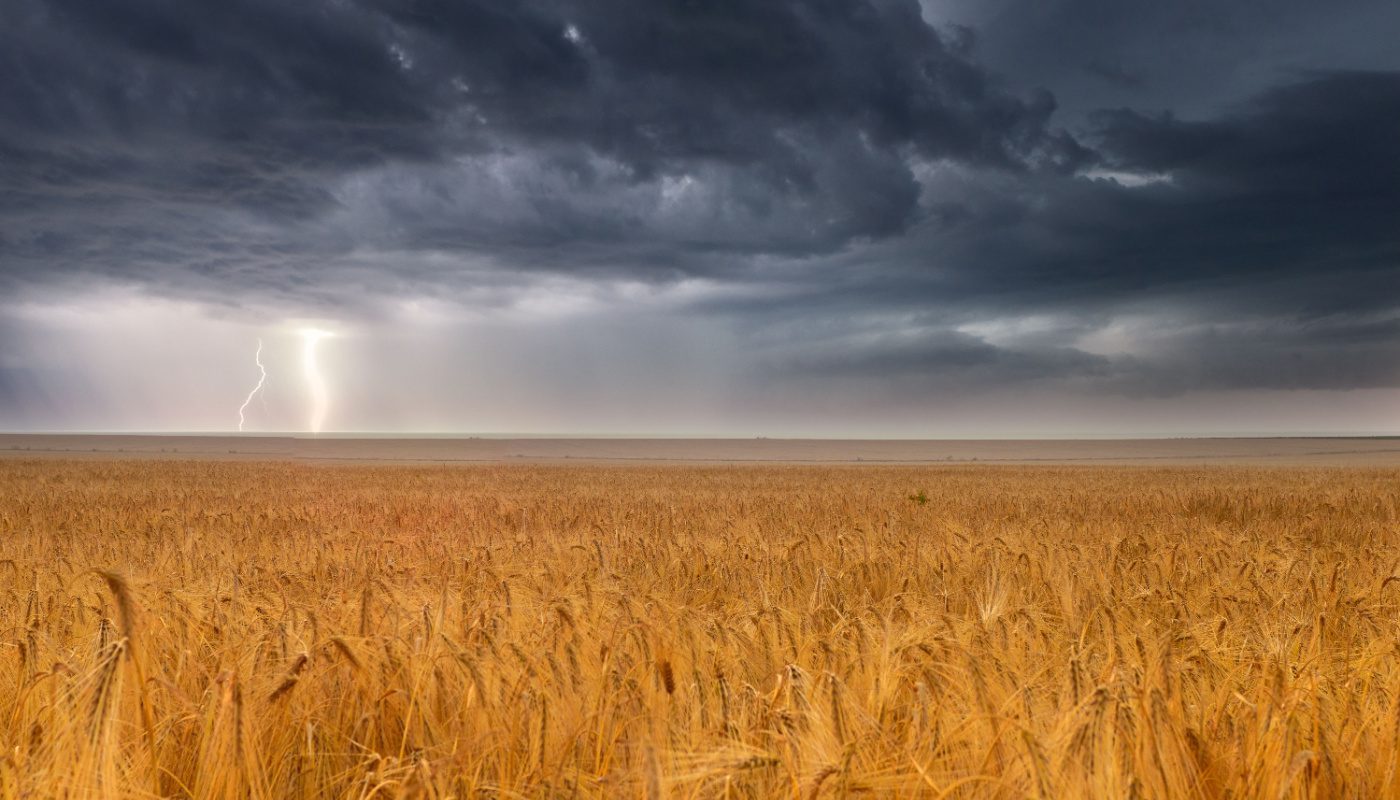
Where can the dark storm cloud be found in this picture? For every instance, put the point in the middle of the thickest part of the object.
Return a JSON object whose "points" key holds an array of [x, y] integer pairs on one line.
{"points": [[1304, 184], [659, 84], [1288, 204], [799, 116], [1196, 57], [1267, 240], [877, 199]]}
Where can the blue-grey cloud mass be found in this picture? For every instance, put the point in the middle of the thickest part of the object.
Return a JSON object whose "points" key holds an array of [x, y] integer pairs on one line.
{"points": [[722, 216]]}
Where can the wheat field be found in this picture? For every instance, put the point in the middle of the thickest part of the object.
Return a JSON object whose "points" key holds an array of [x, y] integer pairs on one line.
{"points": [[266, 630]]}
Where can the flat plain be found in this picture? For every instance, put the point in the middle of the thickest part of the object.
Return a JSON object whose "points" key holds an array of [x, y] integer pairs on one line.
{"points": [[215, 628], [1372, 451]]}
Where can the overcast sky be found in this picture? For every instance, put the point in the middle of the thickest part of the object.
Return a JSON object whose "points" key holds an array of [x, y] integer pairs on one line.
{"points": [[836, 217]]}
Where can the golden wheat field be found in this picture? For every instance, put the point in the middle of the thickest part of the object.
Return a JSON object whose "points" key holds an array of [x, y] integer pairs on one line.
{"points": [[269, 630]]}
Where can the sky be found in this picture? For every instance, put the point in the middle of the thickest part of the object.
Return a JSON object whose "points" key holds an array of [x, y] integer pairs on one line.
{"points": [[723, 218]]}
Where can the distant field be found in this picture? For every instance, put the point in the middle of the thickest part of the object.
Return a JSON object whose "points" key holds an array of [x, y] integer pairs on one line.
{"points": [[229, 629], [1377, 451]]}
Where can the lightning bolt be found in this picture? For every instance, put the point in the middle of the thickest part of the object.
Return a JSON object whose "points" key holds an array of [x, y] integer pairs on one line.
{"points": [[262, 378], [320, 398]]}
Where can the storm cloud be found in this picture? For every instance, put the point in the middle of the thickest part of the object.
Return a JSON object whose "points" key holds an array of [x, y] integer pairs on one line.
{"points": [[912, 200]]}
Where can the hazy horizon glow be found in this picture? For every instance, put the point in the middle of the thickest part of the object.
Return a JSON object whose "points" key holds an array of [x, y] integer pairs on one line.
{"points": [[427, 371]]}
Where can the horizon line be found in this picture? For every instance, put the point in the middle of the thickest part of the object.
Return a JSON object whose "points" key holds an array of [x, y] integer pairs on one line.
{"points": [[679, 436]]}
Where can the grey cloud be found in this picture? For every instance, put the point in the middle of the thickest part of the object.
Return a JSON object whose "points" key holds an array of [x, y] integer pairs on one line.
{"points": [[1265, 354], [1277, 354], [866, 187], [942, 356], [1196, 57], [1267, 253], [1287, 206], [802, 114]]}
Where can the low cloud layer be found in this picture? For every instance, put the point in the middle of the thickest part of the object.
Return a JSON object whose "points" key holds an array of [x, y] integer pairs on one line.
{"points": [[879, 201]]}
